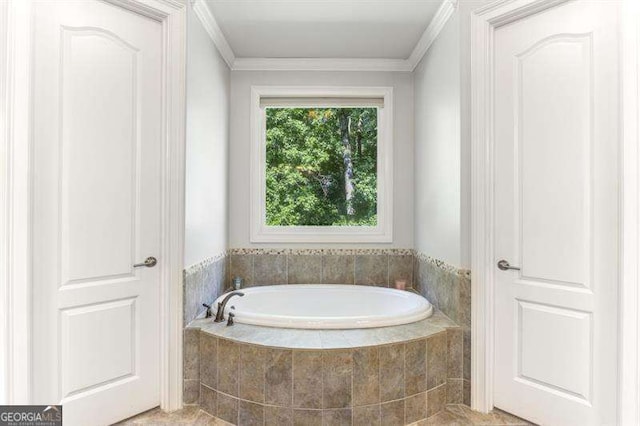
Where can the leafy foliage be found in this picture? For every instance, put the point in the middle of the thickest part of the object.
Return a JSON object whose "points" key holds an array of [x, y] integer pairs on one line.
{"points": [[306, 164]]}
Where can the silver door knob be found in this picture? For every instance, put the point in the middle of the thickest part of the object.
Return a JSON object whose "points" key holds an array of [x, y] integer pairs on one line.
{"points": [[149, 262], [503, 265]]}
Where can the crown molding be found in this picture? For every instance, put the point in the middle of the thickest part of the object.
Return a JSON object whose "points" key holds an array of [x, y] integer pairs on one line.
{"points": [[436, 25], [203, 12], [320, 64]]}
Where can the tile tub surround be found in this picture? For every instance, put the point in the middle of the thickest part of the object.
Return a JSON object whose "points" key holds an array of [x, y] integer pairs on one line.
{"points": [[377, 267], [203, 283], [449, 289], [260, 375]]}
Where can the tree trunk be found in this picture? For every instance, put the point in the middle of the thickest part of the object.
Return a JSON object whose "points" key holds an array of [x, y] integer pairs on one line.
{"points": [[348, 163], [359, 137]]}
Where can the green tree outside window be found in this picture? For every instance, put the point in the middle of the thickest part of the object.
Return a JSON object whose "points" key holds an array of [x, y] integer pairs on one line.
{"points": [[321, 166]]}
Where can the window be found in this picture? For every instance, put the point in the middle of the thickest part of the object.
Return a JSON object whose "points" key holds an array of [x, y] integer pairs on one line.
{"points": [[321, 164]]}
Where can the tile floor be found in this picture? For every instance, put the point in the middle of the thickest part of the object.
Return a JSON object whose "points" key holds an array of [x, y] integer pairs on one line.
{"points": [[190, 415], [452, 415], [462, 415]]}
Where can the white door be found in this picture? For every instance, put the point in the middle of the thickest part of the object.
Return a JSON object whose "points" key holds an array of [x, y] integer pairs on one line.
{"points": [[557, 214], [97, 204]]}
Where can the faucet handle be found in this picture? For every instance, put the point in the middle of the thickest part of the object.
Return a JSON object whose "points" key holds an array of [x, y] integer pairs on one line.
{"points": [[230, 319], [208, 314]]}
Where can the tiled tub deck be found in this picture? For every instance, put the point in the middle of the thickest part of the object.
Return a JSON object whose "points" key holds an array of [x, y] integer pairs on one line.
{"points": [[249, 375]]}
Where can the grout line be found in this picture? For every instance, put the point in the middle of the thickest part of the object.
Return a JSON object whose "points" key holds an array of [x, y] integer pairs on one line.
{"points": [[253, 271], [404, 381], [379, 380], [322, 380], [353, 372], [413, 260], [286, 268], [292, 379], [353, 278]]}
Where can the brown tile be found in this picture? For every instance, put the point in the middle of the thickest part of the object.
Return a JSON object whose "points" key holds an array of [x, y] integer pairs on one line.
{"points": [[446, 418], [507, 418], [452, 415], [436, 360], [228, 355], [304, 269], [215, 282], [391, 372], [466, 354], [191, 392], [209, 363], [454, 391], [307, 417], [447, 287], [250, 414], [191, 355], [241, 265], [224, 275], [227, 408], [415, 373], [466, 392], [368, 415], [337, 370], [156, 416], [191, 284], [279, 377], [366, 376], [339, 417], [415, 408], [208, 400], [454, 353], [427, 277], [465, 301], [495, 417], [416, 274], [205, 419], [421, 277], [338, 269], [401, 268], [270, 269], [436, 400], [372, 270], [307, 379], [252, 373], [392, 413], [278, 416]]}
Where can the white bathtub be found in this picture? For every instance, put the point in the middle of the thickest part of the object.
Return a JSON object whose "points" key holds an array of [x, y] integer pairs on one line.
{"points": [[327, 306]]}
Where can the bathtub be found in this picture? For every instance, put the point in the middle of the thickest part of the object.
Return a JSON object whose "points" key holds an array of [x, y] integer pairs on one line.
{"points": [[327, 306]]}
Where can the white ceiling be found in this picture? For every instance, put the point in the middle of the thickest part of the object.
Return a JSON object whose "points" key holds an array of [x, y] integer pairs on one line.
{"points": [[384, 29]]}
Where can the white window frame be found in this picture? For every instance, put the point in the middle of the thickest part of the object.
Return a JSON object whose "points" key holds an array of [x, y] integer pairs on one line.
{"points": [[263, 233]]}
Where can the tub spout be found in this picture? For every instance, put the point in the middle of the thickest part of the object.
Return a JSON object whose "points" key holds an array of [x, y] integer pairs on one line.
{"points": [[223, 304]]}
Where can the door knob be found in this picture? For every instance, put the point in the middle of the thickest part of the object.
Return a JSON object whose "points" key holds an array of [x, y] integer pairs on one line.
{"points": [[503, 265], [149, 262]]}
